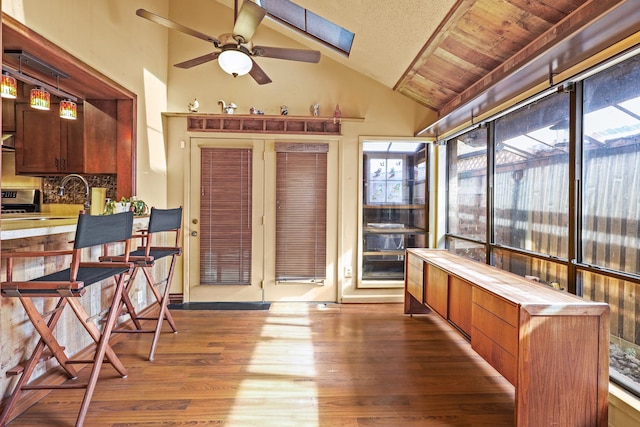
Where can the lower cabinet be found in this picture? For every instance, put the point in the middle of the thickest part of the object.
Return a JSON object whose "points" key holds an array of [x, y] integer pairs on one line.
{"points": [[437, 284], [551, 345], [459, 303]]}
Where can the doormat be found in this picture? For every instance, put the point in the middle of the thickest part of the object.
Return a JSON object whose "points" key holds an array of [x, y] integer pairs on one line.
{"points": [[221, 306]]}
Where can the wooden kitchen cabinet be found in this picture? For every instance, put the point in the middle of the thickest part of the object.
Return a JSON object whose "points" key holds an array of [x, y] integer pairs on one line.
{"points": [[47, 144], [551, 345], [8, 115]]}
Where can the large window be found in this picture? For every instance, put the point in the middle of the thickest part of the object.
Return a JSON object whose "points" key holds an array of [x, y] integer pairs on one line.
{"points": [[611, 208], [532, 177], [611, 178], [564, 201], [467, 195]]}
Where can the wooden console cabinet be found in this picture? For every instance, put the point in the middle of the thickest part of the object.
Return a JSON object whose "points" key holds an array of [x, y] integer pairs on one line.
{"points": [[552, 346]]}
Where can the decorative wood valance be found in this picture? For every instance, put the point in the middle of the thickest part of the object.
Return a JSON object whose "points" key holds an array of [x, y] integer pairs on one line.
{"points": [[258, 123]]}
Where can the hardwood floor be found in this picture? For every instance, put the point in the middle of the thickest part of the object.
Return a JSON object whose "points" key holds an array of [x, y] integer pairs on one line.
{"points": [[298, 365]]}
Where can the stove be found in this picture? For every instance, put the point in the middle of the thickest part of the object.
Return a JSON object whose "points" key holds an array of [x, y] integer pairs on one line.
{"points": [[20, 201]]}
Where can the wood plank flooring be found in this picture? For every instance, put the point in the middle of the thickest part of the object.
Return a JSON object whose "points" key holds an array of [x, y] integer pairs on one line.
{"points": [[296, 365]]}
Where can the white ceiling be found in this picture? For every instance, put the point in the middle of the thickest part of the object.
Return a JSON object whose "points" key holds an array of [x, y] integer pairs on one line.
{"points": [[389, 34]]}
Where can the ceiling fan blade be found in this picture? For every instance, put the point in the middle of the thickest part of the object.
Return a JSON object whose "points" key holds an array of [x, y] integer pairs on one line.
{"points": [[258, 74], [175, 26], [249, 18], [199, 60], [302, 55]]}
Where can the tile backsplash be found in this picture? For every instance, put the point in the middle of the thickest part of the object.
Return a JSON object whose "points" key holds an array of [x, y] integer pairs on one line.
{"points": [[74, 191]]}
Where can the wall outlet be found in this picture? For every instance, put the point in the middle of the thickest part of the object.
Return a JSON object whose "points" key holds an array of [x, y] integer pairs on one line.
{"points": [[348, 272], [140, 298]]}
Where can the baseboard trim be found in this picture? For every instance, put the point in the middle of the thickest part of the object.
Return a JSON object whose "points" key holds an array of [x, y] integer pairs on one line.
{"points": [[370, 299]]}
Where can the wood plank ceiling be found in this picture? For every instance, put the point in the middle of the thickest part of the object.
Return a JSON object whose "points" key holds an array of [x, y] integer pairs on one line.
{"points": [[474, 39]]}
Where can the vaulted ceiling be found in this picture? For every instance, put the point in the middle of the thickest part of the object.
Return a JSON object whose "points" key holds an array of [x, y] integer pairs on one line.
{"points": [[461, 57]]}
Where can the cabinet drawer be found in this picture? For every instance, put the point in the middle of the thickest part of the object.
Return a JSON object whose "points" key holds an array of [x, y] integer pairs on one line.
{"points": [[496, 305], [415, 277], [498, 357], [494, 328], [437, 289]]}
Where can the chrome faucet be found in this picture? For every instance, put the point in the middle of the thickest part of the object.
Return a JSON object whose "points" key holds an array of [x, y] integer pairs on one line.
{"points": [[87, 202]]}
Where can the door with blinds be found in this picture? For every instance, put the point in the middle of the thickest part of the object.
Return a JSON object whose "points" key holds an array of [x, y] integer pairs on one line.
{"points": [[262, 221]]}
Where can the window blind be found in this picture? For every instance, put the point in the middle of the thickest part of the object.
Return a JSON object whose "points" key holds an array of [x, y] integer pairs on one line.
{"points": [[301, 211], [225, 216]]}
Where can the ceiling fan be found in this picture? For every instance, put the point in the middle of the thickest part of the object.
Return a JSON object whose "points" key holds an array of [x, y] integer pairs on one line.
{"points": [[236, 50]]}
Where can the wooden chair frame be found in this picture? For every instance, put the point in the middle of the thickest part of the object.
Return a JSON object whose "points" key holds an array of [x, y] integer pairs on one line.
{"points": [[144, 258], [91, 231]]}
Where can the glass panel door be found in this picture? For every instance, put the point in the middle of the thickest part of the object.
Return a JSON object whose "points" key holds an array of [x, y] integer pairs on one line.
{"points": [[394, 213]]}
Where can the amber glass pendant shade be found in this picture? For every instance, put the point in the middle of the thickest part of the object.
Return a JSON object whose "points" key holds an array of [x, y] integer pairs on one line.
{"points": [[9, 87], [68, 110], [40, 99]]}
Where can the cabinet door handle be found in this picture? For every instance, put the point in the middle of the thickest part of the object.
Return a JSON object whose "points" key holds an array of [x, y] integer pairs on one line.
{"points": [[57, 164], [63, 163]]}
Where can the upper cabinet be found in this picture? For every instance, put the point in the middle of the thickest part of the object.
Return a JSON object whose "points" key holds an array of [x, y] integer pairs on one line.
{"points": [[8, 115], [47, 144]]}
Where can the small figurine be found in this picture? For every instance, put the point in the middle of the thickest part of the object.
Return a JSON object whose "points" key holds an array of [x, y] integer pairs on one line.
{"points": [[254, 110], [284, 110], [193, 106], [227, 109], [315, 109], [337, 115]]}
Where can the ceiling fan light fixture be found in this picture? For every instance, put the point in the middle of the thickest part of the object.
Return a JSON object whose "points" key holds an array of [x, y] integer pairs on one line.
{"points": [[235, 62]]}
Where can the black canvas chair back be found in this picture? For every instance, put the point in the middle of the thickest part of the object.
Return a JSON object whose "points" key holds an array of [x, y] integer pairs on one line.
{"points": [[67, 285], [161, 221], [95, 230]]}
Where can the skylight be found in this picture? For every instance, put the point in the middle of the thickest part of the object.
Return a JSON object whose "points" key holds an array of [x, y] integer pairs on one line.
{"points": [[309, 23]]}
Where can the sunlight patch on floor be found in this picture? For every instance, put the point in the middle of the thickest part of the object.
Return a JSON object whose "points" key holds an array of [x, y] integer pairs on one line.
{"points": [[283, 370]]}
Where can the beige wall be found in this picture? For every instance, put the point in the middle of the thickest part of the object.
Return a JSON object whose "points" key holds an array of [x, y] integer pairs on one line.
{"points": [[138, 54], [107, 35], [297, 85]]}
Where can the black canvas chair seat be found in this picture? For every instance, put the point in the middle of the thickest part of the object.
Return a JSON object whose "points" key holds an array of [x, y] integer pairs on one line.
{"points": [[86, 275], [144, 258], [67, 285], [154, 254]]}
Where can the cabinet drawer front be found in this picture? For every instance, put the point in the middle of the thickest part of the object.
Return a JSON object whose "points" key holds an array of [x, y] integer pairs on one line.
{"points": [[460, 303], [437, 289], [496, 305], [415, 277], [496, 329], [497, 356]]}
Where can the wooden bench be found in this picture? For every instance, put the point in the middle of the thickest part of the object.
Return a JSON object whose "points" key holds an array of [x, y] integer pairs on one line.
{"points": [[551, 345]]}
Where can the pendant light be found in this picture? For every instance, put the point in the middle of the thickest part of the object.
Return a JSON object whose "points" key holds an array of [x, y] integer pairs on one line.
{"points": [[68, 110], [40, 99], [9, 86]]}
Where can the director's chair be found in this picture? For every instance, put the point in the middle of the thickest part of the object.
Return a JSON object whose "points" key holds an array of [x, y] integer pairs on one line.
{"points": [[167, 221], [67, 285]]}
